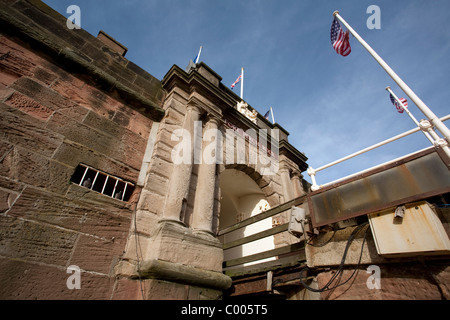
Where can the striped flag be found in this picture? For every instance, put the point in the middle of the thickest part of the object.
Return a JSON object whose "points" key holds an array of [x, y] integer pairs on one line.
{"points": [[340, 39], [197, 57], [236, 82], [397, 105]]}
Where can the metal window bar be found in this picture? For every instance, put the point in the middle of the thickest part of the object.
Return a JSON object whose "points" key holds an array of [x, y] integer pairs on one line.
{"points": [[124, 190], [115, 186], [84, 175], [104, 185], [95, 179], [108, 176]]}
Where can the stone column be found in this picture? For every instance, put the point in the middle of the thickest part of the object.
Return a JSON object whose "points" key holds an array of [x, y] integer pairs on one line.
{"points": [[297, 184], [181, 175], [204, 195], [286, 184]]}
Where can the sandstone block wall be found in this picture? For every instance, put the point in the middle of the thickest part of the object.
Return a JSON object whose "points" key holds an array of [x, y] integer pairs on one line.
{"points": [[398, 281], [401, 278], [53, 116]]}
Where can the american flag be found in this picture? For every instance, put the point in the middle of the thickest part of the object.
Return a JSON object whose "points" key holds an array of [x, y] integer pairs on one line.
{"points": [[340, 39], [397, 105], [237, 80]]}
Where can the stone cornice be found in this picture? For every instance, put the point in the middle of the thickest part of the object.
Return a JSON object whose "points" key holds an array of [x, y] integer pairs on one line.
{"points": [[292, 153], [194, 82], [219, 95]]}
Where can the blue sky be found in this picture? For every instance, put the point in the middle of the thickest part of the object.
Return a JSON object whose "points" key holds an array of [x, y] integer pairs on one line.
{"points": [[331, 105]]}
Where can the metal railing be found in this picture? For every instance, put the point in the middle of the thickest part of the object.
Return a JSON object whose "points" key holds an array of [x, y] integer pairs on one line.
{"points": [[288, 255], [424, 126], [102, 182]]}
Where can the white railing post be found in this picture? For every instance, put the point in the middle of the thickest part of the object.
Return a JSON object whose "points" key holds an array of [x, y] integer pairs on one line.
{"points": [[312, 173], [438, 142], [423, 125]]}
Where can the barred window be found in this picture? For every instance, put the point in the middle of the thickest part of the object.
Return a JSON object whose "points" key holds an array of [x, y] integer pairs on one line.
{"points": [[102, 182]]}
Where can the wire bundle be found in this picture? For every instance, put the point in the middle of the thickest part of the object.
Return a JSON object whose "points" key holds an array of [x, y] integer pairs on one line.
{"points": [[340, 269]]}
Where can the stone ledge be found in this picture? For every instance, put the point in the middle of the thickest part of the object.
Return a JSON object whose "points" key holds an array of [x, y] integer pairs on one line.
{"points": [[175, 272], [178, 230], [174, 242]]}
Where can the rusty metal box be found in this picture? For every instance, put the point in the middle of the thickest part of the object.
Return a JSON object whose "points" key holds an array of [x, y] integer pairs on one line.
{"points": [[419, 232]]}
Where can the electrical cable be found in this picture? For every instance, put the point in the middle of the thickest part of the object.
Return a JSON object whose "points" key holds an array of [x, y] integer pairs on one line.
{"points": [[340, 268], [341, 265], [445, 294], [137, 243], [321, 244]]}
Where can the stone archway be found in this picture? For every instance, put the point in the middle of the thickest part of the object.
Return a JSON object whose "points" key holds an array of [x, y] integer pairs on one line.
{"points": [[242, 198]]}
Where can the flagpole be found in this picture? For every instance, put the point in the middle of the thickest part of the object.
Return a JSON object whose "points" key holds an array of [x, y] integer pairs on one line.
{"points": [[435, 121], [242, 83], [273, 119], [410, 114]]}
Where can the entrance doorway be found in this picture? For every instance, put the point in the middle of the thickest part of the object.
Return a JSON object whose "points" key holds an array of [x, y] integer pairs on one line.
{"points": [[242, 198]]}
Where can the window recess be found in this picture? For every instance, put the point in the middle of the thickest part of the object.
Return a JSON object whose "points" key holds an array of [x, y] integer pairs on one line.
{"points": [[102, 182]]}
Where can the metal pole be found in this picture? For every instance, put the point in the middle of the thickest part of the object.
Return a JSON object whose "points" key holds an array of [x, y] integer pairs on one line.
{"points": [[312, 172], [242, 83], [104, 185], [84, 175], [410, 114], [115, 186], [124, 190], [379, 144], [414, 98], [95, 179], [427, 128]]}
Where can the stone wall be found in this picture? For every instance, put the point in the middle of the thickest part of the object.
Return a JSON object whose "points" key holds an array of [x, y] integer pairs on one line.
{"points": [[68, 98], [417, 277], [57, 111], [399, 281]]}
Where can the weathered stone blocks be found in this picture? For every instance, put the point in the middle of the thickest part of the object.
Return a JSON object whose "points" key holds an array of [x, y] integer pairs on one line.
{"points": [[51, 120], [175, 243], [30, 281], [35, 242], [399, 281]]}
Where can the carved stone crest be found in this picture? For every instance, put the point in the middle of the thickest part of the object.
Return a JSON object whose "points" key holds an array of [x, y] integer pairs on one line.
{"points": [[243, 108]]}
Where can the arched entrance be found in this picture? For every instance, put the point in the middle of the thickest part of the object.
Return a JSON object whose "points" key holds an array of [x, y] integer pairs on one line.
{"points": [[241, 198]]}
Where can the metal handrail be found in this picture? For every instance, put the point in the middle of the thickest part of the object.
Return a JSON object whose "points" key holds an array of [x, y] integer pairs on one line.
{"points": [[312, 172], [263, 234]]}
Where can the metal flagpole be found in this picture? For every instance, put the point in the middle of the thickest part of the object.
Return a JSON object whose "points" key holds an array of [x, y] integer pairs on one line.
{"points": [[425, 127], [242, 83], [435, 121], [409, 114]]}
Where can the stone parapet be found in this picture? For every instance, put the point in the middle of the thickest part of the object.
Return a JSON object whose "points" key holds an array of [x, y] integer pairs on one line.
{"points": [[77, 51]]}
